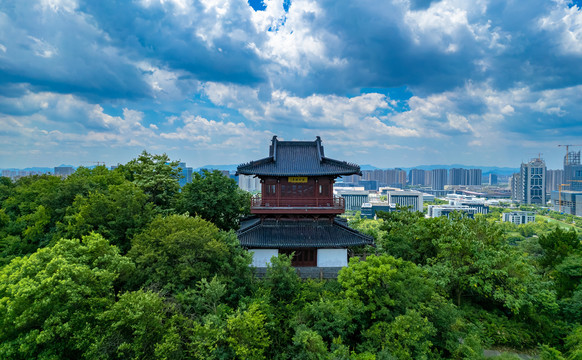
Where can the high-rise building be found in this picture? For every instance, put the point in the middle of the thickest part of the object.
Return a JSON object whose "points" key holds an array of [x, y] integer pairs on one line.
{"points": [[64, 171], [475, 177], [457, 176], [351, 179], [416, 177], [389, 177], [428, 178], [515, 185], [554, 178], [573, 171], [439, 179], [493, 179], [533, 182], [186, 174], [567, 202], [249, 183]]}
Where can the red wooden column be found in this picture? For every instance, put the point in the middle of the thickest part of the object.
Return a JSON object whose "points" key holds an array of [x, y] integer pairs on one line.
{"points": [[278, 192], [317, 192]]}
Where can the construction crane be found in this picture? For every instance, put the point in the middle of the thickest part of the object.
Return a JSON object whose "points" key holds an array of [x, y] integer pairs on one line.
{"points": [[568, 147], [567, 159]]}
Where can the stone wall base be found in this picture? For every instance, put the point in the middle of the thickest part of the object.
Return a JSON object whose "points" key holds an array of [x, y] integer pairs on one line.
{"points": [[307, 272]]}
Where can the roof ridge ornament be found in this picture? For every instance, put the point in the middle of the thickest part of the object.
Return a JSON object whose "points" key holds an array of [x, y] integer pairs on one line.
{"points": [[274, 145], [319, 149]]}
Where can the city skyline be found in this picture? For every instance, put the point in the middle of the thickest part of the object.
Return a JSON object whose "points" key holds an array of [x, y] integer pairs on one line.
{"points": [[391, 83]]}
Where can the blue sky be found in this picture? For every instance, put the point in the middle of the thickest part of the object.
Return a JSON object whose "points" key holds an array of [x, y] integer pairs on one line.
{"points": [[388, 83]]}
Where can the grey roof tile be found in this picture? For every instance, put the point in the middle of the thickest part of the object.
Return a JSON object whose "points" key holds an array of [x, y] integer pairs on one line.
{"points": [[297, 158], [300, 234]]}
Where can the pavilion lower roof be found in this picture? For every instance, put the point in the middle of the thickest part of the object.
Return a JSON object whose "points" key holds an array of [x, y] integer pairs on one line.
{"points": [[309, 233]]}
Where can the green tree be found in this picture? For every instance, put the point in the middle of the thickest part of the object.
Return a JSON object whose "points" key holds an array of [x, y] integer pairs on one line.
{"points": [[117, 213], [216, 198], [308, 345], [157, 176], [280, 291], [30, 214], [6, 188], [208, 339], [175, 252], [574, 344], [408, 336], [557, 245], [568, 274], [474, 260], [246, 333], [408, 235], [282, 281], [205, 298], [36, 204], [385, 285], [140, 325], [50, 300], [333, 318]]}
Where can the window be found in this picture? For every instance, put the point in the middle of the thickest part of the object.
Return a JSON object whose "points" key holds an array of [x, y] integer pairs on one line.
{"points": [[301, 257], [270, 189]]}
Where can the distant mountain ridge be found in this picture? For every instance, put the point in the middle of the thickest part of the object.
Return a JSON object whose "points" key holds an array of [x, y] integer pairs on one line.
{"points": [[38, 169], [230, 167]]}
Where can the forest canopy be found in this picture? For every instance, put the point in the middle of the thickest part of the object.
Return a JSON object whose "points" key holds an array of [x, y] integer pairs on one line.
{"points": [[125, 264]]}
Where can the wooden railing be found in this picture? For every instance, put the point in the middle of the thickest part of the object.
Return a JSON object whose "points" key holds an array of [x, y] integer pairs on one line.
{"points": [[336, 202]]}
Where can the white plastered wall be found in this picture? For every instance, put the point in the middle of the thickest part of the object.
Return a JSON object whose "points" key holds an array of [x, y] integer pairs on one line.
{"points": [[262, 257], [332, 257]]}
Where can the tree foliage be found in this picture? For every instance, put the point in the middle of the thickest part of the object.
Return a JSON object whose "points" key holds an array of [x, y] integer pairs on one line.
{"points": [[177, 285], [117, 213], [50, 300], [157, 176], [216, 198], [177, 251]]}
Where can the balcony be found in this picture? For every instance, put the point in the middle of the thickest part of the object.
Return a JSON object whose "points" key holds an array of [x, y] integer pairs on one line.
{"points": [[329, 205]]}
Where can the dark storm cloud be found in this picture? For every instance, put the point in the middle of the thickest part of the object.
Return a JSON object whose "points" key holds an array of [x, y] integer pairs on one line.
{"points": [[183, 38], [386, 44], [61, 51], [97, 50], [381, 51], [420, 4]]}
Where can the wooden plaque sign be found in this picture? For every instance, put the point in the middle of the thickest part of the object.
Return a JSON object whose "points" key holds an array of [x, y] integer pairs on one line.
{"points": [[297, 179]]}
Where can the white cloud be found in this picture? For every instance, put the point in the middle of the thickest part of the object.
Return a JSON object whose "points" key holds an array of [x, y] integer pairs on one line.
{"points": [[42, 48], [200, 132], [59, 5], [459, 122], [566, 25]]}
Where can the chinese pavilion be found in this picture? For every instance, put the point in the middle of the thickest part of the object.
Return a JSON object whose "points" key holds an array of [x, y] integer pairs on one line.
{"points": [[297, 212]]}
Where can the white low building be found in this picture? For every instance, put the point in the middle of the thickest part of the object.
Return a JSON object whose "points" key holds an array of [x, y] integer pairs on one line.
{"points": [[404, 198], [519, 217], [445, 210]]}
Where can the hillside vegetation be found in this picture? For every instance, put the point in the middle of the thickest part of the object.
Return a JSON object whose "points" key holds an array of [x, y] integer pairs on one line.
{"points": [[124, 264]]}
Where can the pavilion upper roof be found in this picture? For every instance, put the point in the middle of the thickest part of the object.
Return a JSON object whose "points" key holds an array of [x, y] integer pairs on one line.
{"points": [[297, 158]]}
